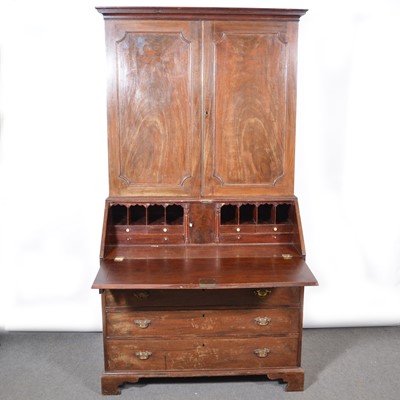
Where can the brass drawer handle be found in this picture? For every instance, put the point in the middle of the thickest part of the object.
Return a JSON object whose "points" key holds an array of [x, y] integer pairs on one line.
{"points": [[142, 295], [143, 355], [262, 321], [262, 353], [142, 323], [262, 292]]}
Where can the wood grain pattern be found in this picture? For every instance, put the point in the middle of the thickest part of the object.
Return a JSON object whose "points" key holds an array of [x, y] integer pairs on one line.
{"points": [[188, 273], [250, 102], [152, 128], [249, 96], [153, 139], [201, 322], [201, 353], [228, 110], [176, 298], [202, 220], [206, 251]]}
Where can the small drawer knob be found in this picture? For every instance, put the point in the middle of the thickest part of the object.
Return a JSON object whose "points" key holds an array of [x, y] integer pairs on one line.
{"points": [[143, 355], [262, 321], [262, 353], [237, 229], [165, 229], [127, 230], [142, 323]]}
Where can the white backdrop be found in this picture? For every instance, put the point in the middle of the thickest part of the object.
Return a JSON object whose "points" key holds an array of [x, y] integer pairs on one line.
{"points": [[53, 159]]}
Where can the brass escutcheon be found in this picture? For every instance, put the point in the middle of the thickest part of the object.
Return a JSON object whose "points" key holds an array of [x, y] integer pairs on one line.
{"points": [[262, 321], [262, 353], [143, 355], [262, 292], [142, 295], [142, 323]]}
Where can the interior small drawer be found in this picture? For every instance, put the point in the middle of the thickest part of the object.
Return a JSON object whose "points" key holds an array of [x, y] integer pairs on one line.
{"points": [[275, 229], [235, 229], [202, 322], [132, 238], [145, 229], [202, 298], [201, 353], [257, 238], [262, 228]]}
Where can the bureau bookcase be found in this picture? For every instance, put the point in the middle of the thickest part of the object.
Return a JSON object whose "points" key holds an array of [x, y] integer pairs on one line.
{"points": [[202, 264]]}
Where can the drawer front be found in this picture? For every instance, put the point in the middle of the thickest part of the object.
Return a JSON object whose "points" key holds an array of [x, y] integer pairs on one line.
{"points": [[202, 353], [144, 229], [202, 298], [259, 228], [257, 238], [235, 229], [206, 322], [145, 238]]}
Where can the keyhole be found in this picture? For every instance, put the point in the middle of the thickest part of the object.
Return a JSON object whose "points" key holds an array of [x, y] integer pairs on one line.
{"points": [[206, 113]]}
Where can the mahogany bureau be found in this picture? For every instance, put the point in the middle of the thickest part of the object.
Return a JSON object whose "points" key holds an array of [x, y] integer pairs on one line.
{"points": [[202, 264]]}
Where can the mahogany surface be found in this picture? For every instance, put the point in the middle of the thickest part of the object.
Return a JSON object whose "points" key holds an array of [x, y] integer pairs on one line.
{"points": [[204, 13], [214, 272], [202, 260], [252, 250], [235, 81], [129, 300], [197, 322]]}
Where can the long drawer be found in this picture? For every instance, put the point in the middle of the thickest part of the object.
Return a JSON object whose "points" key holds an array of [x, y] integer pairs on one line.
{"points": [[201, 353], [203, 298], [202, 322], [132, 238], [257, 238]]}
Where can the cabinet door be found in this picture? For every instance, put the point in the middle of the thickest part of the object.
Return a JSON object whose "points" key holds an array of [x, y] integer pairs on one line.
{"points": [[249, 108], [153, 107]]}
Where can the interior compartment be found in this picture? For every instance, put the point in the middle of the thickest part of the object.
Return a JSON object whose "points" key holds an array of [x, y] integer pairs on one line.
{"points": [[137, 215], [118, 215], [283, 214], [247, 214], [229, 214], [265, 214], [174, 215], [156, 215]]}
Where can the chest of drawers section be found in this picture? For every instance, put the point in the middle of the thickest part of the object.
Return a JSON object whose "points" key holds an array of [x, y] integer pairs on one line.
{"points": [[201, 332]]}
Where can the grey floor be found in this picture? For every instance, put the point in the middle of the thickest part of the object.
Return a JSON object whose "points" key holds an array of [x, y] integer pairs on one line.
{"points": [[351, 363]]}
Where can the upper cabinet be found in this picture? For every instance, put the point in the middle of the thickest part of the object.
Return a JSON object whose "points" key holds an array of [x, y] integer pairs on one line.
{"points": [[201, 108]]}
